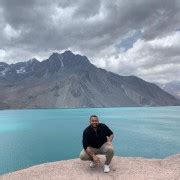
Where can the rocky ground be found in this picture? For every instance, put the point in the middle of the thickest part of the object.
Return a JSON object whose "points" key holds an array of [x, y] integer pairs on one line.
{"points": [[122, 168]]}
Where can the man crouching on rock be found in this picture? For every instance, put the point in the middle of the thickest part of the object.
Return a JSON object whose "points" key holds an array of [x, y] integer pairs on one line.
{"points": [[97, 139]]}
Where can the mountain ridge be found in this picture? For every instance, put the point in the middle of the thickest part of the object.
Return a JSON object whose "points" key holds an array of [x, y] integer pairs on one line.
{"points": [[172, 87], [68, 80]]}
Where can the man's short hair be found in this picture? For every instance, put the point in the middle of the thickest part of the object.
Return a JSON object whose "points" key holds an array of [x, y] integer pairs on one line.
{"points": [[93, 116]]}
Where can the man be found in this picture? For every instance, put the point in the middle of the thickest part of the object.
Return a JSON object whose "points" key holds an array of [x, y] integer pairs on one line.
{"points": [[97, 139]]}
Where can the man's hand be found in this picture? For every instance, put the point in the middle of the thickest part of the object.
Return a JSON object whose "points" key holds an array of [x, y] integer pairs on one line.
{"points": [[109, 139], [96, 159]]}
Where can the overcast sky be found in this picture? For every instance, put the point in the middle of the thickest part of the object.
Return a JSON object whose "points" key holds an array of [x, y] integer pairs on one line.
{"points": [[140, 37]]}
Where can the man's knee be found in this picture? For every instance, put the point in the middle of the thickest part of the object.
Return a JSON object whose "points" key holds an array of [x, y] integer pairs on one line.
{"points": [[110, 150], [84, 156], [81, 156]]}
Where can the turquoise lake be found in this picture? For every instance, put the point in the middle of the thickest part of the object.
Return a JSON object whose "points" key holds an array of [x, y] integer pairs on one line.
{"points": [[35, 136]]}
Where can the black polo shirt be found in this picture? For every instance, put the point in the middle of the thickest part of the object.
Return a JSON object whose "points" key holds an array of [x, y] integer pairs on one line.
{"points": [[96, 138]]}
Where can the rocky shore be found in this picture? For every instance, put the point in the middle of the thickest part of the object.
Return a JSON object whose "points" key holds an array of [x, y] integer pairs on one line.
{"points": [[122, 168]]}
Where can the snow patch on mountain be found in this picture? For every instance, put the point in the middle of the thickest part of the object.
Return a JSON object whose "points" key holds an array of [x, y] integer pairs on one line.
{"points": [[21, 70]]}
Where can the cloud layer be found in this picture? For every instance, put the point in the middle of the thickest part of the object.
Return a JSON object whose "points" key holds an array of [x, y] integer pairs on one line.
{"points": [[140, 38]]}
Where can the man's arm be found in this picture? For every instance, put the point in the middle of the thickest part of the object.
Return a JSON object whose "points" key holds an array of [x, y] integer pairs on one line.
{"points": [[85, 140], [109, 134], [110, 138], [89, 152], [95, 158]]}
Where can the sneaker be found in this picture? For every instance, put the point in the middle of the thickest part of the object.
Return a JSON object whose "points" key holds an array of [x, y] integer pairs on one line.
{"points": [[106, 168], [92, 164]]}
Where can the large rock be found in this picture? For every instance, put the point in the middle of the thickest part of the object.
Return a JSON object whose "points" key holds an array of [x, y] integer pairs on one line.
{"points": [[131, 168]]}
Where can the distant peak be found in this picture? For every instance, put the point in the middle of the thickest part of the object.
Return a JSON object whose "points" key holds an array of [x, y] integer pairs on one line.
{"points": [[33, 60], [54, 55], [3, 63], [68, 52], [68, 58]]}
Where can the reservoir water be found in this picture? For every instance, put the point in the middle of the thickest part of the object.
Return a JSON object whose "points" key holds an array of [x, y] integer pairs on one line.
{"points": [[35, 136]]}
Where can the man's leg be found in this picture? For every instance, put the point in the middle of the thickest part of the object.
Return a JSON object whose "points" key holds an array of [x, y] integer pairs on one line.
{"points": [[84, 156], [108, 150]]}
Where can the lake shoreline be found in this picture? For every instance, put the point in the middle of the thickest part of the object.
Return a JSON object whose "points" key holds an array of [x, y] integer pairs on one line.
{"points": [[121, 168], [71, 108]]}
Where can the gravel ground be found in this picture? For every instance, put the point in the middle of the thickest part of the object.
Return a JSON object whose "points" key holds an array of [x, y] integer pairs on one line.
{"points": [[122, 168]]}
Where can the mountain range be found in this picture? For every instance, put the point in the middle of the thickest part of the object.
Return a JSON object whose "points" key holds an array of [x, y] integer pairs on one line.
{"points": [[69, 80], [172, 87]]}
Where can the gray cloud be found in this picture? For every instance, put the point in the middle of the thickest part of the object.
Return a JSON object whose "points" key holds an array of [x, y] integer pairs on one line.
{"points": [[87, 9], [152, 60], [93, 28]]}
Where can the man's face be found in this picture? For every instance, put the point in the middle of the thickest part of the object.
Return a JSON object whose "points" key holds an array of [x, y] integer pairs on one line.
{"points": [[94, 122]]}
